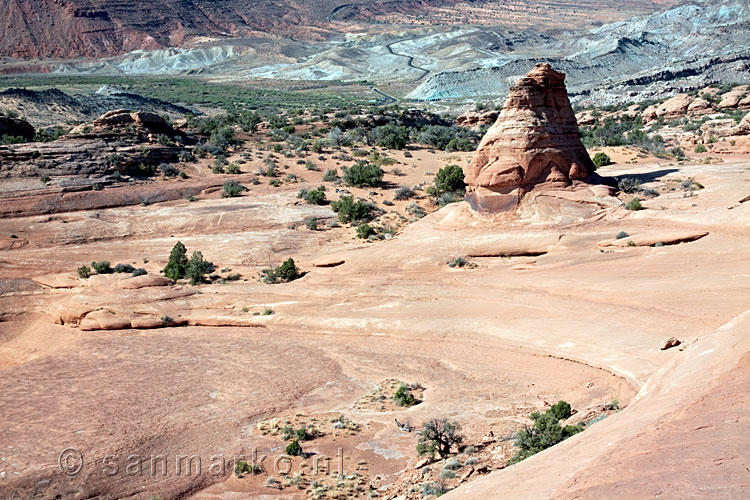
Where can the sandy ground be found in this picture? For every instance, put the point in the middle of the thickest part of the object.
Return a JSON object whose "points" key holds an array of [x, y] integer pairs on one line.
{"points": [[548, 313]]}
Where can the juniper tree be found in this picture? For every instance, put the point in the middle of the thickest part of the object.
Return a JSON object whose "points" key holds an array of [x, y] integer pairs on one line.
{"points": [[178, 262]]}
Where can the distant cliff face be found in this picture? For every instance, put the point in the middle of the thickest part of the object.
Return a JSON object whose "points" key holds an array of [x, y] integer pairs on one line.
{"points": [[90, 28], [101, 28]]}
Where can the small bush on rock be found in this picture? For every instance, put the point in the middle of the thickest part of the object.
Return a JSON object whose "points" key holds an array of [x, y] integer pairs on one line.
{"points": [[101, 267], [285, 273], [545, 432], [124, 268], [634, 204]]}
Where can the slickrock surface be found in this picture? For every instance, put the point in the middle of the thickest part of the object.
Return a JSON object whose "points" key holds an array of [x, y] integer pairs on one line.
{"points": [[534, 141], [683, 436], [543, 314]]}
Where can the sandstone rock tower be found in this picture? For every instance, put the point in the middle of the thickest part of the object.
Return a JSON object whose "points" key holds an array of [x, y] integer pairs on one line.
{"points": [[534, 141]]}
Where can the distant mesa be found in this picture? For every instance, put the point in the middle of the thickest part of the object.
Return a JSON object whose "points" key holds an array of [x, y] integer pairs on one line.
{"points": [[534, 141]]}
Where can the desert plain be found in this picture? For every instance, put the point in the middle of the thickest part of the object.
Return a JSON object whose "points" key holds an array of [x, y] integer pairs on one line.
{"points": [[553, 307]]}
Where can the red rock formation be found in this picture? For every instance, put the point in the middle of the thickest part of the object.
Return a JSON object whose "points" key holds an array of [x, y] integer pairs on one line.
{"points": [[475, 119], [744, 127], [535, 140]]}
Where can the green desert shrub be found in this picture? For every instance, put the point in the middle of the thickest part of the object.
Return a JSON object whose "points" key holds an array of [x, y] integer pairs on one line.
{"points": [[294, 449], [391, 136], [433, 488], [634, 204], [168, 170], [331, 175], [350, 210], [447, 474], [364, 231], [446, 198], [363, 174], [404, 193], [84, 272], [197, 268], [629, 184], [700, 148], [449, 185], [101, 267], [124, 268], [459, 262], [450, 138], [315, 196], [403, 396], [415, 210], [545, 432], [177, 263], [439, 136], [561, 410], [232, 168], [602, 160], [286, 272], [232, 189], [460, 144], [452, 464], [450, 179], [243, 467]]}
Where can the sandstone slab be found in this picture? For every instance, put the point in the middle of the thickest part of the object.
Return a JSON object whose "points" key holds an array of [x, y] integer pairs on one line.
{"points": [[147, 280], [654, 239]]}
